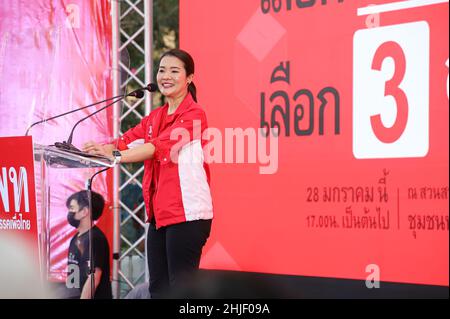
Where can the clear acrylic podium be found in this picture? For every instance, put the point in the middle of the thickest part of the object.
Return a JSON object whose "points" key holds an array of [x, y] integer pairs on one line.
{"points": [[50, 165]]}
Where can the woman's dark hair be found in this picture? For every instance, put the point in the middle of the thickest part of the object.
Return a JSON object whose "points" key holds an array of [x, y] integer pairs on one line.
{"points": [[189, 66]]}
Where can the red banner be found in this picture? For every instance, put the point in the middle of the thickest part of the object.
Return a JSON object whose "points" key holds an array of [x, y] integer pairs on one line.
{"points": [[357, 186], [18, 216]]}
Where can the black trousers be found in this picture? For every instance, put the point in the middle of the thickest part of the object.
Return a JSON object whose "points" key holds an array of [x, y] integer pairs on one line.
{"points": [[174, 256]]}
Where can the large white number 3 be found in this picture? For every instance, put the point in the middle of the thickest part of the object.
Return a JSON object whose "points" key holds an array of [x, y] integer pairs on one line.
{"points": [[391, 80]]}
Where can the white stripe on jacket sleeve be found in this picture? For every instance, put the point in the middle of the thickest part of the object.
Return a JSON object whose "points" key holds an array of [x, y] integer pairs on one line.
{"points": [[195, 191]]}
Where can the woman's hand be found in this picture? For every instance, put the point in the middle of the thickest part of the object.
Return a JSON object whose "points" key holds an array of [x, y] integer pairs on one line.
{"points": [[98, 149], [137, 154]]}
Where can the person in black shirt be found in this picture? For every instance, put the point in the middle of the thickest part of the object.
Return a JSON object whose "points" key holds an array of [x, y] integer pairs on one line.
{"points": [[78, 259]]}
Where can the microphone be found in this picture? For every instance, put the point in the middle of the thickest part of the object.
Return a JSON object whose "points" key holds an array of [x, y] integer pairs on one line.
{"points": [[139, 93], [151, 87]]}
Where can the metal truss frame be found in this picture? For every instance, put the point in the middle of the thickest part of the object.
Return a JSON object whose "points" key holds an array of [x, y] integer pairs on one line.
{"points": [[140, 39]]}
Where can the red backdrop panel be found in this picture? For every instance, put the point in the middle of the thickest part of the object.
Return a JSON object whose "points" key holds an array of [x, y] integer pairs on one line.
{"points": [[361, 98]]}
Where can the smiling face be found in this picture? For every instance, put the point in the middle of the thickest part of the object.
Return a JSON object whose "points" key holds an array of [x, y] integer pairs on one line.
{"points": [[172, 79]]}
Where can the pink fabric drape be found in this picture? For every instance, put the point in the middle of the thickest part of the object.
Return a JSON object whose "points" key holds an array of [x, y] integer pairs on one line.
{"points": [[55, 56]]}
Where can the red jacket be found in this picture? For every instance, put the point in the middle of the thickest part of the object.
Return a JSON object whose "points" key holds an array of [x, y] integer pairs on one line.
{"points": [[182, 190]]}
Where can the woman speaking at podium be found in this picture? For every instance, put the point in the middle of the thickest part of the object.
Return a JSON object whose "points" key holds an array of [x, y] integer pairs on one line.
{"points": [[176, 178]]}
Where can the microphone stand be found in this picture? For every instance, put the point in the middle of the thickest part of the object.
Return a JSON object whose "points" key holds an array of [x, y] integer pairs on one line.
{"points": [[91, 247], [68, 145], [66, 113], [136, 93]]}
